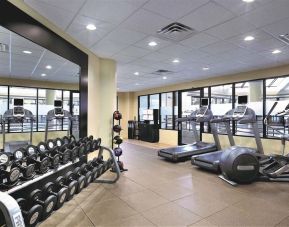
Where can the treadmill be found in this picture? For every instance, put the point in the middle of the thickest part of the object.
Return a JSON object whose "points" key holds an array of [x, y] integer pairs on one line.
{"points": [[243, 115], [56, 115], [17, 117], [203, 114]]}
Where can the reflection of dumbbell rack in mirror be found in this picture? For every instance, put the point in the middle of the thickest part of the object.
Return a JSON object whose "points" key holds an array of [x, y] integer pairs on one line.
{"points": [[117, 139]]}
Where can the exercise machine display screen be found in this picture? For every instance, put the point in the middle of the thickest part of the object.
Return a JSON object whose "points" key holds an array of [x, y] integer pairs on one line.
{"points": [[204, 102], [18, 102], [58, 110], [18, 110], [242, 100], [57, 103]]}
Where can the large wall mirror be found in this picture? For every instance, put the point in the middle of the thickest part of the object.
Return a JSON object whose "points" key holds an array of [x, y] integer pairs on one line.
{"points": [[29, 51]]}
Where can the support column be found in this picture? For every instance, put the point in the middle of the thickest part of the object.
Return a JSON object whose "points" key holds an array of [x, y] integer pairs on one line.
{"points": [[255, 94]]}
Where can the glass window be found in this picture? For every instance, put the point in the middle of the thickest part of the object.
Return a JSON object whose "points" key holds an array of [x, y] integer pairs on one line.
{"points": [[154, 101], [29, 96], [277, 89], [66, 106], [221, 102], [46, 99], [167, 110], [254, 91], [143, 105], [206, 95], [75, 114]]}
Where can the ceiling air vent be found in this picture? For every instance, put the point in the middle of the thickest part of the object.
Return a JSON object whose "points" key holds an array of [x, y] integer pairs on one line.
{"points": [[162, 72], [284, 38], [176, 32], [4, 48]]}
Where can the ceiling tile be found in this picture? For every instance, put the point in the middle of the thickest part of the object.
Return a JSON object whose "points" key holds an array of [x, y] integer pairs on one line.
{"points": [[278, 28], [134, 51], [122, 59], [259, 35], [156, 56], [125, 36], [107, 10], [146, 22], [240, 7], [78, 30], [68, 5], [199, 40], [219, 47], [59, 16], [173, 9], [266, 45], [269, 13], [144, 43], [231, 28], [174, 50], [207, 16], [106, 48]]}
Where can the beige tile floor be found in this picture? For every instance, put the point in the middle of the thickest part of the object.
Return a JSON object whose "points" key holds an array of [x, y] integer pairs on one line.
{"points": [[155, 192]]}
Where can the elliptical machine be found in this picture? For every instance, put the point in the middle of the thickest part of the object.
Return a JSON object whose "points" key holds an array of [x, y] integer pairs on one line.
{"points": [[246, 167]]}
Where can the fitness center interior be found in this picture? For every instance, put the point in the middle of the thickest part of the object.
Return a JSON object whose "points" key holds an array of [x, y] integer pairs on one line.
{"points": [[144, 113]]}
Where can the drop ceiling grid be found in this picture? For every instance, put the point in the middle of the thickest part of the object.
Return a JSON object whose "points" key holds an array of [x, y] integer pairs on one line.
{"points": [[234, 19]]}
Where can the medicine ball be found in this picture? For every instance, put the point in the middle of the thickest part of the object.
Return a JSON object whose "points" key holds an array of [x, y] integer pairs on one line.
{"points": [[117, 151], [117, 140], [117, 115], [240, 165], [116, 128]]}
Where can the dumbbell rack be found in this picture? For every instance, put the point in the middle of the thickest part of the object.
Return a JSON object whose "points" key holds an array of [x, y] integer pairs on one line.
{"points": [[10, 211], [112, 136]]}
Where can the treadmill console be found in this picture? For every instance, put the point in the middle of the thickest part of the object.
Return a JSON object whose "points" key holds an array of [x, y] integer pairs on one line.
{"points": [[58, 110], [18, 110], [241, 109], [203, 109]]}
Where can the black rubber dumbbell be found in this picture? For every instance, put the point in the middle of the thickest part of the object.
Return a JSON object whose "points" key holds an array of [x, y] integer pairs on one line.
{"points": [[69, 184], [72, 138], [84, 169], [61, 194], [19, 160], [93, 168], [65, 153], [90, 138], [31, 214], [34, 156], [65, 140], [96, 144], [72, 144], [9, 175], [78, 177], [100, 166], [74, 153], [46, 151], [81, 150], [47, 202], [58, 142], [88, 145]]}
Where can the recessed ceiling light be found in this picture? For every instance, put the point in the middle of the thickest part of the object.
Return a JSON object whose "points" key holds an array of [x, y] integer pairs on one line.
{"points": [[27, 52], [152, 43], [43, 74], [90, 27], [164, 78], [48, 67], [136, 73], [249, 38], [136, 84], [206, 68], [248, 1], [276, 51], [176, 61]]}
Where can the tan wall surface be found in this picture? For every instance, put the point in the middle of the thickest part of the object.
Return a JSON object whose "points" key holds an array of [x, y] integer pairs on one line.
{"points": [[169, 137]]}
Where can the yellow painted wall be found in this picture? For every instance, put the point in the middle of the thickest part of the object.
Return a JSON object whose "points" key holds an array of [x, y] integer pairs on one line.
{"points": [[101, 81], [37, 136], [169, 137]]}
